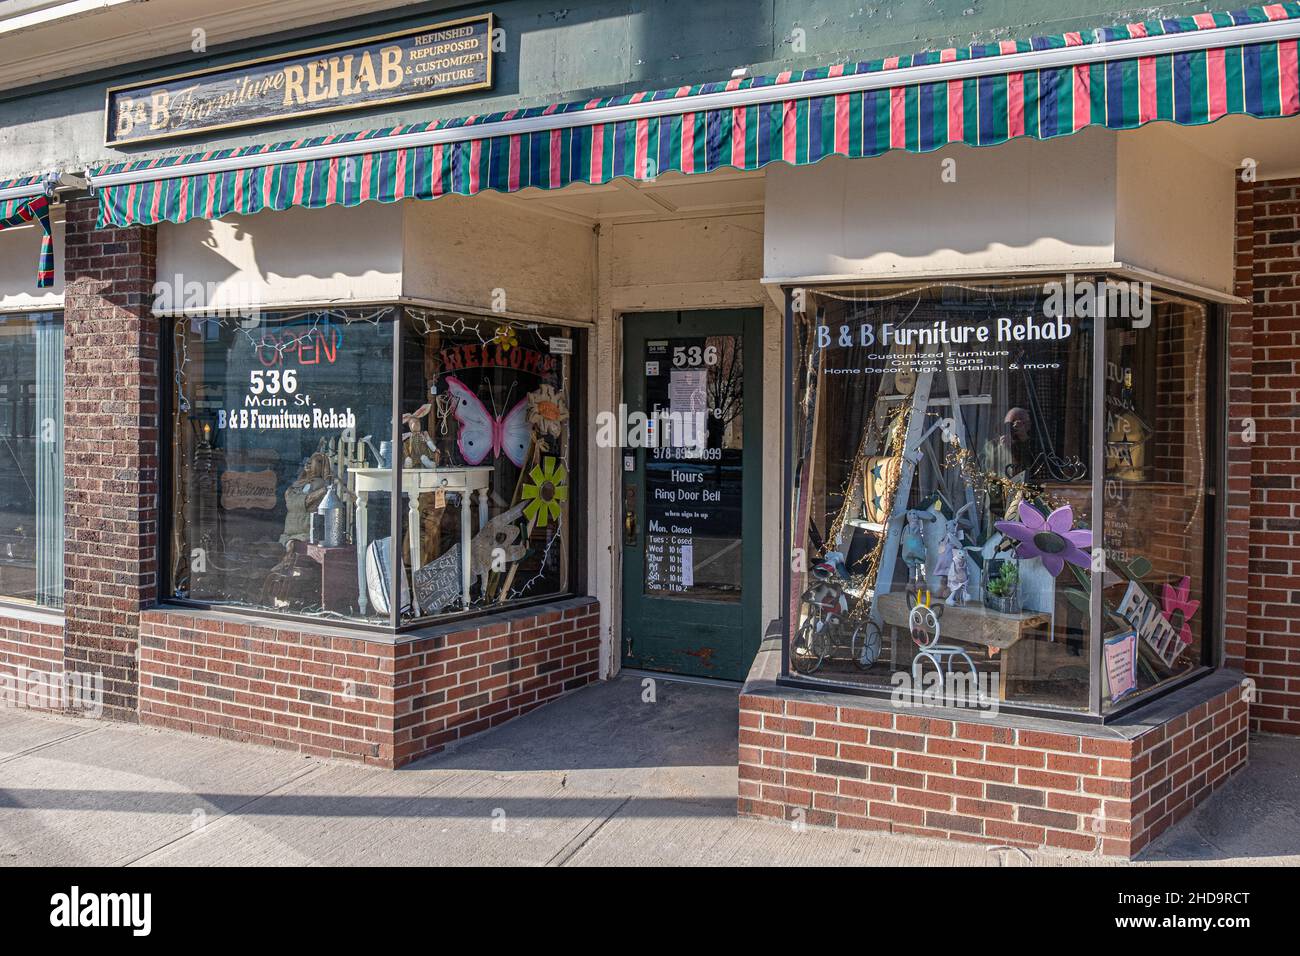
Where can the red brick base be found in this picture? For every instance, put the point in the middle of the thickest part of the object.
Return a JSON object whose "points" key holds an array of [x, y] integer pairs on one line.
{"points": [[30, 644], [855, 762], [337, 693]]}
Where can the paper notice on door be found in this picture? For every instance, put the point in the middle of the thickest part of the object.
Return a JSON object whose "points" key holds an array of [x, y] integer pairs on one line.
{"points": [[688, 400], [688, 390]]}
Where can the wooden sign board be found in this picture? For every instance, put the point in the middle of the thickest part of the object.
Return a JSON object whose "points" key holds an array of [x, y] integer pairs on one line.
{"points": [[436, 60], [438, 583], [1143, 613], [249, 489]]}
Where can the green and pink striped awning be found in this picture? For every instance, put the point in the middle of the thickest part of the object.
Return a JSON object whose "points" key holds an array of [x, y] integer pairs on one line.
{"points": [[31, 208], [1215, 76]]}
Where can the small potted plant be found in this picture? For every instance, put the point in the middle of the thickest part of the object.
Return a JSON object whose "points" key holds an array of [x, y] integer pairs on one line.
{"points": [[1001, 590]]}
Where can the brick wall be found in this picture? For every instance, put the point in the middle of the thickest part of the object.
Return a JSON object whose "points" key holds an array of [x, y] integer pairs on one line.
{"points": [[1264, 631], [337, 694], [28, 644], [862, 766], [462, 682], [110, 450]]}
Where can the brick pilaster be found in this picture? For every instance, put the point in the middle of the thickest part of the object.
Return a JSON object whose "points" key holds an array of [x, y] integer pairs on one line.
{"points": [[1272, 648], [1236, 499], [111, 450]]}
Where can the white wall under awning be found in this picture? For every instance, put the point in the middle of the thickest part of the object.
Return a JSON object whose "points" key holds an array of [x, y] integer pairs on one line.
{"points": [[450, 251], [299, 256], [20, 253], [1087, 201]]}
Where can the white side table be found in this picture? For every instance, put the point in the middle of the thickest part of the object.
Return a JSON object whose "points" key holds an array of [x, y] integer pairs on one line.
{"points": [[463, 482]]}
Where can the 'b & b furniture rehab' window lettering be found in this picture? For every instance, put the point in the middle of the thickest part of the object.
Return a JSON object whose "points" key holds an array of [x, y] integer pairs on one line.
{"points": [[948, 474], [286, 463]]}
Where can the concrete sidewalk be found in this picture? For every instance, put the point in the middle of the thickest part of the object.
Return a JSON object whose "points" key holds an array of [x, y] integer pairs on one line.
{"points": [[599, 778]]}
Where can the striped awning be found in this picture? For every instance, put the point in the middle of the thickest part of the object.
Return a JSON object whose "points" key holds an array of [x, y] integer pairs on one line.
{"points": [[22, 202], [1190, 71]]}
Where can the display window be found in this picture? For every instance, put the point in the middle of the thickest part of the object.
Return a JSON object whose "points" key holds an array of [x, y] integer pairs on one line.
{"points": [[486, 406], [379, 466], [986, 500], [31, 458], [1158, 512]]}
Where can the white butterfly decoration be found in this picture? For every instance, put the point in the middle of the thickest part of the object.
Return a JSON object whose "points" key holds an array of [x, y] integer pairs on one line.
{"points": [[482, 433]]}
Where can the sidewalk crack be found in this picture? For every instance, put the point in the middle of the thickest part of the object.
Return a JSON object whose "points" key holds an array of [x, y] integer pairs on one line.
{"points": [[565, 853], [37, 748], [232, 812]]}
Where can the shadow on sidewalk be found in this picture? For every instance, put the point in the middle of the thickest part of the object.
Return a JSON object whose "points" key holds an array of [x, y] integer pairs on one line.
{"points": [[611, 725], [1255, 816]]}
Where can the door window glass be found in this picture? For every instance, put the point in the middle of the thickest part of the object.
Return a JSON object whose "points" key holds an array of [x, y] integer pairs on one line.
{"points": [[694, 396]]}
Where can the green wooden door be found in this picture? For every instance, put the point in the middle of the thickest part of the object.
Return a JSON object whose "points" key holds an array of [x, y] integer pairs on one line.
{"points": [[692, 473]]}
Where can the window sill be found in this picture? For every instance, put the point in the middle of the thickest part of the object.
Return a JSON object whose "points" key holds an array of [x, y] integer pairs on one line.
{"points": [[164, 613], [32, 613]]}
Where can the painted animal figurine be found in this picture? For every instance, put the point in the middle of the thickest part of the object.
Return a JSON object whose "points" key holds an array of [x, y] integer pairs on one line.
{"points": [[914, 543], [958, 579], [952, 544], [417, 446]]}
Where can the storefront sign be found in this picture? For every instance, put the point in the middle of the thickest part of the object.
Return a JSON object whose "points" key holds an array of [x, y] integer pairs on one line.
{"points": [[459, 358], [289, 377], [452, 57]]}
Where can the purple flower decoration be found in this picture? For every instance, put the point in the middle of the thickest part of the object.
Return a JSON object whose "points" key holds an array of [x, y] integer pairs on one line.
{"points": [[1051, 538]]}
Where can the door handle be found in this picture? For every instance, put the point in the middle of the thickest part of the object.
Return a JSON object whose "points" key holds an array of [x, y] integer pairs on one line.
{"points": [[629, 515]]}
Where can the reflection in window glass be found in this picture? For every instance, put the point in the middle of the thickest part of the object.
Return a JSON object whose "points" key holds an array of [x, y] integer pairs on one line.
{"points": [[942, 490], [487, 475], [274, 420], [1157, 482], [31, 458]]}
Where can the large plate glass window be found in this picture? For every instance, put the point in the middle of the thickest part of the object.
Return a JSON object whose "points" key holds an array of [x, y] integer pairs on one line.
{"points": [[487, 475], [1159, 499], [971, 522], [288, 457], [31, 458], [275, 418]]}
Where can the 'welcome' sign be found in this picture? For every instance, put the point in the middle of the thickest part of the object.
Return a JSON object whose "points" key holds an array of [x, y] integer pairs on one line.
{"points": [[435, 60]]}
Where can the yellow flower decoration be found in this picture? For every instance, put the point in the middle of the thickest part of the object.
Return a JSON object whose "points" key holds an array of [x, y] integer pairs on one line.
{"points": [[506, 337], [546, 492]]}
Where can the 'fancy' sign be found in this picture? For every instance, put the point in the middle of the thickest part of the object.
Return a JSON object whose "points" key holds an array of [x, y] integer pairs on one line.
{"points": [[435, 60]]}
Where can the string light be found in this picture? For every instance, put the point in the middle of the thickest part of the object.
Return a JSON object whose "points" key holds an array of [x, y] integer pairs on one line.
{"points": [[433, 322], [980, 479]]}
